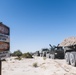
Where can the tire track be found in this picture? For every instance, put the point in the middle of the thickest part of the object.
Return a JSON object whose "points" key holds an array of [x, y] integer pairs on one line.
{"points": [[66, 68]]}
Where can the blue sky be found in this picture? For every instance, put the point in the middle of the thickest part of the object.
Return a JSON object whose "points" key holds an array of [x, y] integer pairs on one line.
{"points": [[36, 23]]}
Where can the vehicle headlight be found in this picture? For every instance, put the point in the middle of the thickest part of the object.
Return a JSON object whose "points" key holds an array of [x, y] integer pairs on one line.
{"points": [[55, 53]]}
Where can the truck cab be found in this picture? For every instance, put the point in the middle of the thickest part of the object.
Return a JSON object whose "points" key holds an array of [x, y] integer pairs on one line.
{"points": [[56, 52]]}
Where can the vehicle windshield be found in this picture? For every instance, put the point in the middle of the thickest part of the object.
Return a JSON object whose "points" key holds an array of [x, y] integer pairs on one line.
{"points": [[59, 48]]}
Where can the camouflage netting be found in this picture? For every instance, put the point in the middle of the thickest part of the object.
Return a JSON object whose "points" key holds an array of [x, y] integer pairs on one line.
{"points": [[68, 41]]}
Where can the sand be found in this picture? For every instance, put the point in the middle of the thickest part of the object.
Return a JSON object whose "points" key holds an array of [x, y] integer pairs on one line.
{"points": [[45, 67], [68, 41]]}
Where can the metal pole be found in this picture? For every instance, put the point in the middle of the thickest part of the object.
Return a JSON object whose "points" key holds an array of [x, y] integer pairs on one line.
{"points": [[0, 66]]}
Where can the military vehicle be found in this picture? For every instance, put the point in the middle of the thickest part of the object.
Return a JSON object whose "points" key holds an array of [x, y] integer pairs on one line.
{"points": [[37, 53], [56, 52], [70, 54], [44, 52]]}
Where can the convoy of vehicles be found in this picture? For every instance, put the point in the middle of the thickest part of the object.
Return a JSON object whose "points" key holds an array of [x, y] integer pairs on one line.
{"points": [[67, 52]]}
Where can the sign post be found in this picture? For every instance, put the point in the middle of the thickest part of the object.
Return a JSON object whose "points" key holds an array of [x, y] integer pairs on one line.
{"points": [[0, 66], [4, 43]]}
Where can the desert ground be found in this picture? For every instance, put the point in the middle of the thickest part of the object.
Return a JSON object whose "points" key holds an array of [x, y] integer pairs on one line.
{"points": [[45, 67]]}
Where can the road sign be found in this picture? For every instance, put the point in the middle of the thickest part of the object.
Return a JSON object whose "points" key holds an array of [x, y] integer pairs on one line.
{"points": [[4, 38], [4, 29], [4, 41]]}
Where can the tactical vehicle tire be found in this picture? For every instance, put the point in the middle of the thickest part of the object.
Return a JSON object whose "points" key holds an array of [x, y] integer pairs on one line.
{"points": [[52, 56], [73, 58], [67, 57]]}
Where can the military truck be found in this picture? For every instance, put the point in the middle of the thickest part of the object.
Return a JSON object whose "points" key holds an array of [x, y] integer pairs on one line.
{"points": [[56, 52], [44, 52], [37, 53], [70, 54]]}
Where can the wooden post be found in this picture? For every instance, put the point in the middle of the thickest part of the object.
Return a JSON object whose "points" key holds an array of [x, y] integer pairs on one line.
{"points": [[0, 66]]}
